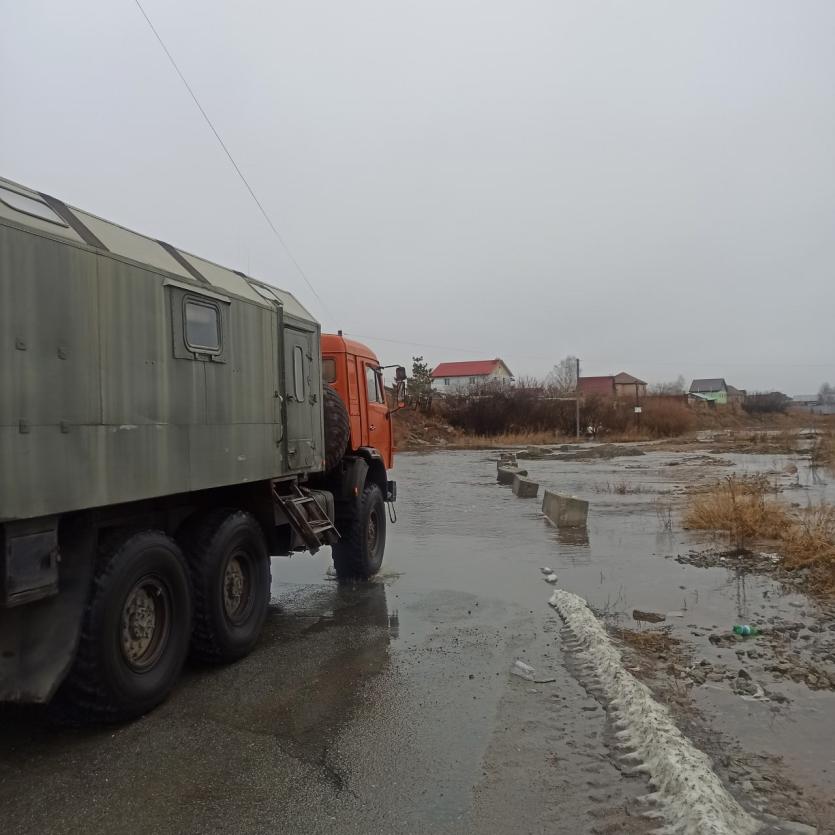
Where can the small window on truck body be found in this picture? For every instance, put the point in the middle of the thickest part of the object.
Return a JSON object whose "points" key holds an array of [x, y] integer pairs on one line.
{"points": [[298, 374], [202, 326], [329, 369]]}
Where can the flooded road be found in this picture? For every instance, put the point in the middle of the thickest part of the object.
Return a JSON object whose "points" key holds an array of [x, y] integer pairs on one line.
{"points": [[387, 707], [390, 707]]}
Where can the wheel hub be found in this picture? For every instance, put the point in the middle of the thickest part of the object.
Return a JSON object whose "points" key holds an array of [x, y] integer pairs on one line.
{"points": [[235, 588], [144, 623], [372, 533]]}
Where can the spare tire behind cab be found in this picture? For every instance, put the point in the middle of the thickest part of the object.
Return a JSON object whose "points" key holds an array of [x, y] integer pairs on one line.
{"points": [[337, 426]]}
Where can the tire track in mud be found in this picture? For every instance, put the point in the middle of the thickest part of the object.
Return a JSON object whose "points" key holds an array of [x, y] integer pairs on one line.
{"points": [[688, 795]]}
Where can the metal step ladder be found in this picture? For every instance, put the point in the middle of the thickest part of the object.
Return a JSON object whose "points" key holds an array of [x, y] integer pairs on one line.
{"points": [[306, 516]]}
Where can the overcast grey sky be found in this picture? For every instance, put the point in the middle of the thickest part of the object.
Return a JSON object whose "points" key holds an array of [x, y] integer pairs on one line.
{"points": [[648, 185]]}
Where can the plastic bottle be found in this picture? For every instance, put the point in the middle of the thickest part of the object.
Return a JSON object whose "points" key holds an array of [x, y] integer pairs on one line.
{"points": [[745, 630]]}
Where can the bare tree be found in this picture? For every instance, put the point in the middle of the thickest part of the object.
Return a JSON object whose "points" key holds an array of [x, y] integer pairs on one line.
{"points": [[674, 387], [562, 379], [826, 394]]}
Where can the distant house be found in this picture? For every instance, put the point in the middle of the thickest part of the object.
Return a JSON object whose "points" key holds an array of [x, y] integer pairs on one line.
{"points": [[454, 377], [628, 386], [716, 390], [614, 385], [813, 404], [736, 397]]}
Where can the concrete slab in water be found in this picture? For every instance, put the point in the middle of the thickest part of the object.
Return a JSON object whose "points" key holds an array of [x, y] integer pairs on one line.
{"points": [[565, 511], [524, 488], [505, 475]]}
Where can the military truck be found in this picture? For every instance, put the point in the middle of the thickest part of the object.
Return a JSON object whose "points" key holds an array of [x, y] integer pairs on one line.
{"points": [[166, 425]]}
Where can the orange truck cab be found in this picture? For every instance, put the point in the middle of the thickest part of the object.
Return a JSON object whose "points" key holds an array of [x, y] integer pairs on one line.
{"points": [[360, 451], [353, 370]]}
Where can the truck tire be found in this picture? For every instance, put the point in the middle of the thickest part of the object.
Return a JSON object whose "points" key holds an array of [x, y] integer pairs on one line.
{"points": [[135, 633], [230, 579], [337, 427], [359, 553]]}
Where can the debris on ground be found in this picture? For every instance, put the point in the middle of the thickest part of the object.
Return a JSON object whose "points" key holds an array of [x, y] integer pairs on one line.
{"points": [[523, 670], [647, 617]]}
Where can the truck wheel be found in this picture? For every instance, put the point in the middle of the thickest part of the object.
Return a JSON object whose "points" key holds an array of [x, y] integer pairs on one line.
{"points": [[135, 634], [337, 427], [230, 576], [359, 554]]}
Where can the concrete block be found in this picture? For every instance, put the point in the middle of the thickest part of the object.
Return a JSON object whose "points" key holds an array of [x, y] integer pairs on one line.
{"points": [[565, 511], [524, 488], [505, 475], [506, 459]]}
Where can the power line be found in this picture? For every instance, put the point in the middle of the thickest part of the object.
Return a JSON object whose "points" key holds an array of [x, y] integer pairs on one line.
{"points": [[623, 361], [231, 158]]}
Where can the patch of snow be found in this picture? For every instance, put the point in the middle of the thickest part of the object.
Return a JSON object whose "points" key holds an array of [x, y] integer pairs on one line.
{"points": [[688, 795]]}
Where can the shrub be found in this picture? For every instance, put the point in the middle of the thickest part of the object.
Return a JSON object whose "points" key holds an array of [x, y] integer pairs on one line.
{"points": [[666, 417], [769, 402], [742, 506], [501, 410]]}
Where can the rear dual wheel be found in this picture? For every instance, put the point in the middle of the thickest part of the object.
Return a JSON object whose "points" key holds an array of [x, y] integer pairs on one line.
{"points": [[150, 604], [135, 632], [230, 575]]}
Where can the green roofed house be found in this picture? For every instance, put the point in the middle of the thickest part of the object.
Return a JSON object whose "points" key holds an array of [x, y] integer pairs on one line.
{"points": [[715, 390], [710, 388]]}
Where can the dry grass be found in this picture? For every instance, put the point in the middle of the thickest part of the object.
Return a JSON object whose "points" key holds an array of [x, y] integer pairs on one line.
{"points": [[621, 488], [823, 448], [648, 641], [809, 542], [745, 507]]}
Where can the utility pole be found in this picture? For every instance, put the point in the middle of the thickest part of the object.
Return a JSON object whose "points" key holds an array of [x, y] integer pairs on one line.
{"points": [[577, 398]]}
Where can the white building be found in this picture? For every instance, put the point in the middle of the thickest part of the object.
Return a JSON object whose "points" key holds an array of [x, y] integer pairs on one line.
{"points": [[456, 377]]}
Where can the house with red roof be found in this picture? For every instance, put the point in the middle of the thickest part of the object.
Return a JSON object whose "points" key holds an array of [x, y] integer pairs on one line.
{"points": [[614, 385], [456, 377]]}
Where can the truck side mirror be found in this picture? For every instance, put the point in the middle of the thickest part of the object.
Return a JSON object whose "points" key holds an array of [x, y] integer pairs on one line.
{"points": [[400, 374]]}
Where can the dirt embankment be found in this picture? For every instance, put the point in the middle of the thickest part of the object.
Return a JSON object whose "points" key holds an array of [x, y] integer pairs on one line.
{"points": [[711, 431], [414, 430]]}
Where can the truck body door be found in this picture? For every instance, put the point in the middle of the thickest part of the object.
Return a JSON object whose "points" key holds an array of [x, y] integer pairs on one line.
{"points": [[301, 398], [379, 430]]}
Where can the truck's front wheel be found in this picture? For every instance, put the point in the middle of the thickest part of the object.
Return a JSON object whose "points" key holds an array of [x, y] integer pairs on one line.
{"points": [[359, 554], [135, 634]]}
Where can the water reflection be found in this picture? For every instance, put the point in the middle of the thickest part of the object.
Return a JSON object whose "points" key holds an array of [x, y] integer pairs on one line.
{"points": [[573, 543], [573, 537], [344, 604]]}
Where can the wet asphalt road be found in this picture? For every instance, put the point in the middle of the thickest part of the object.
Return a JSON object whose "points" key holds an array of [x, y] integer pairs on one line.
{"points": [[386, 707]]}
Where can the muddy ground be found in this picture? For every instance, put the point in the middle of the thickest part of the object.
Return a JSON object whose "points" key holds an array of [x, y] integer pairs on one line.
{"points": [[391, 707]]}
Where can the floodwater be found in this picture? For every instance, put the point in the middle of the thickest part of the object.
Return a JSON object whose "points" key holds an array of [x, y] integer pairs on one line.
{"points": [[625, 559], [390, 707]]}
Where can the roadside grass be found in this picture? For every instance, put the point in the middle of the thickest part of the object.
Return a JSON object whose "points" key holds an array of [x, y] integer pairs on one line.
{"points": [[622, 488], [744, 507], [822, 453], [747, 510], [809, 542]]}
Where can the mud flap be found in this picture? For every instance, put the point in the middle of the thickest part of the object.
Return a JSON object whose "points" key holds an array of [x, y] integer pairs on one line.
{"points": [[38, 640]]}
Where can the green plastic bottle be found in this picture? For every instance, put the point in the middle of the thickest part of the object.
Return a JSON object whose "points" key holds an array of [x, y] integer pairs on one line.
{"points": [[745, 630]]}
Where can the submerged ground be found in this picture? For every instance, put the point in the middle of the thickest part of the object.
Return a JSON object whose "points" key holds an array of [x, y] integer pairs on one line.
{"points": [[391, 707]]}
